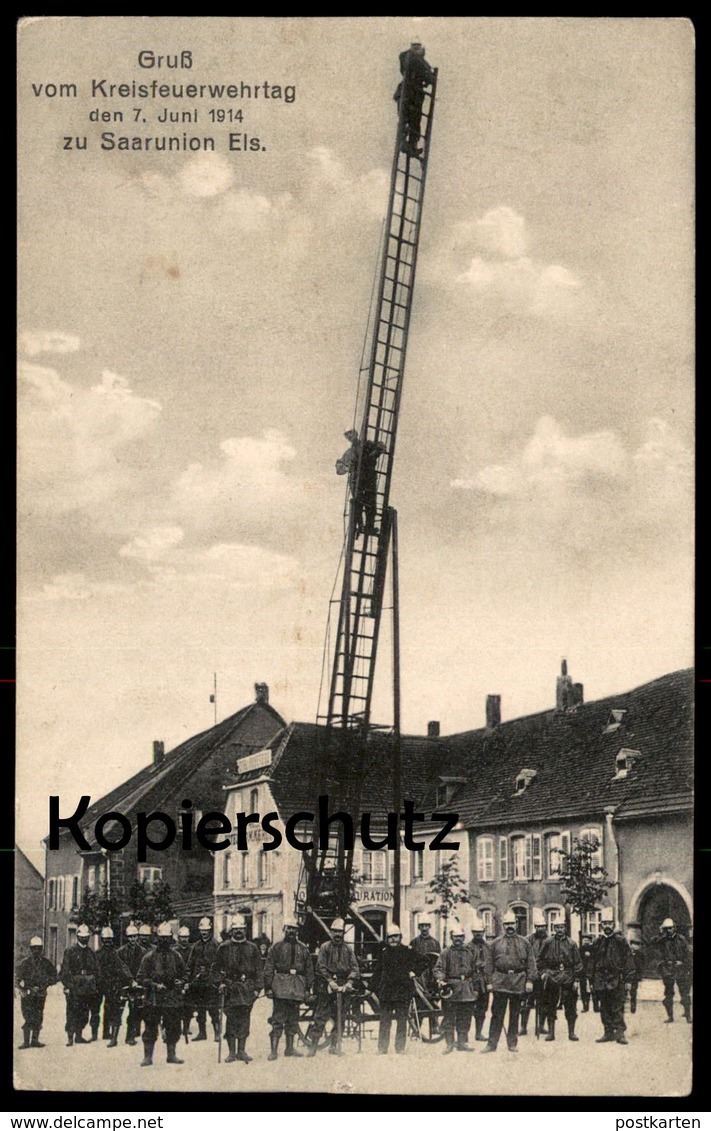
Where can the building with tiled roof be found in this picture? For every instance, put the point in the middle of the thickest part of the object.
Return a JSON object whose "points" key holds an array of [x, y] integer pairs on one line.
{"points": [[618, 771], [193, 771]]}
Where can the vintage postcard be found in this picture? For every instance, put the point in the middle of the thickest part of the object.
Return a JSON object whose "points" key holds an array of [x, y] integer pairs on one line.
{"points": [[334, 748]]}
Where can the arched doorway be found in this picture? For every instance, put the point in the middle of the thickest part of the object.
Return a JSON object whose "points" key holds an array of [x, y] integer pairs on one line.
{"points": [[659, 902]]}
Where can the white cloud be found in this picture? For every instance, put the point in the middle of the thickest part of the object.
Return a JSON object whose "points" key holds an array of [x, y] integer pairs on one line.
{"points": [[337, 193], [248, 480], [662, 449], [72, 438], [206, 175], [486, 259], [521, 285], [154, 544], [550, 460], [589, 489], [551, 457], [249, 567], [76, 587], [231, 565], [555, 276], [501, 231], [47, 385], [250, 210], [33, 342]]}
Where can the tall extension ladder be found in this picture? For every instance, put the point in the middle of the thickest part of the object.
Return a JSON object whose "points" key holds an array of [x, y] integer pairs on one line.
{"points": [[360, 606], [365, 560]]}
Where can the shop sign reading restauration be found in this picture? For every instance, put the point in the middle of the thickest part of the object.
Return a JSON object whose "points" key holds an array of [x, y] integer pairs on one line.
{"points": [[373, 895]]}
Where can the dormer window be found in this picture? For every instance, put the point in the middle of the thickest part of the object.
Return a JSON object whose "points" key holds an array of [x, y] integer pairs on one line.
{"points": [[447, 788], [625, 761], [614, 722], [524, 779]]}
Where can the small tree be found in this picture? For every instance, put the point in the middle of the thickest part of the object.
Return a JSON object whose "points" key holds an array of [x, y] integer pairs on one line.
{"points": [[98, 909], [152, 906], [447, 889], [583, 884]]}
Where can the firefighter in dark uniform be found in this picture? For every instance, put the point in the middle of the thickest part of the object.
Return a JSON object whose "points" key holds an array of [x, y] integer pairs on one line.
{"points": [[559, 965], [417, 74], [288, 978], [163, 975], [238, 975], [478, 946], [145, 936], [675, 968], [113, 978], [639, 962], [392, 979], [586, 947], [534, 1000], [132, 954], [203, 992], [337, 971], [510, 972], [456, 974], [612, 970], [360, 463], [426, 945], [79, 978], [34, 976], [184, 949]]}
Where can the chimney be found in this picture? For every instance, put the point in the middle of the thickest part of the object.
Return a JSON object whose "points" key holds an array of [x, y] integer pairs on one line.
{"points": [[578, 694], [261, 691], [158, 752], [433, 729], [563, 689], [493, 711]]}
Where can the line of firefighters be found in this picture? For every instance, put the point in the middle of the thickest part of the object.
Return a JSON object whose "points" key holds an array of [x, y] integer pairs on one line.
{"points": [[167, 982]]}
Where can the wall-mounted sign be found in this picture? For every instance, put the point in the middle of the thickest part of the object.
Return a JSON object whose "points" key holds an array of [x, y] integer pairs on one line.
{"points": [[258, 834], [373, 895]]}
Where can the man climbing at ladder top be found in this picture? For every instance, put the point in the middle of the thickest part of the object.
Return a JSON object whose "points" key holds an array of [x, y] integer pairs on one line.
{"points": [[363, 489], [417, 74]]}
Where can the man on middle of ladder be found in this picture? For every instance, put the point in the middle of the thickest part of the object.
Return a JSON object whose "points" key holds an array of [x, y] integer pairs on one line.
{"points": [[364, 488]]}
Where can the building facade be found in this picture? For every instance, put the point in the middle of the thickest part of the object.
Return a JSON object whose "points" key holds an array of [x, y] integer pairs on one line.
{"points": [[193, 772], [616, 773]]}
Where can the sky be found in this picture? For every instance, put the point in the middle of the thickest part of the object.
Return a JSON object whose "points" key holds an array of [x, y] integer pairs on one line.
{"points": [[190, 333]]}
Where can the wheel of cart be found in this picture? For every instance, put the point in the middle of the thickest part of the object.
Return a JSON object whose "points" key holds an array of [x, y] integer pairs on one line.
{"points": [[359, 1015], [425, 1016], [363, 1016], [306, 1017]]}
